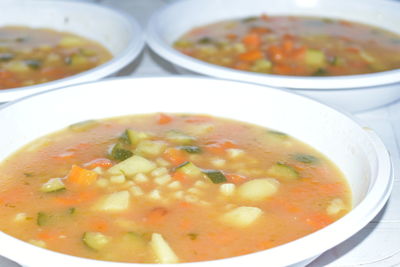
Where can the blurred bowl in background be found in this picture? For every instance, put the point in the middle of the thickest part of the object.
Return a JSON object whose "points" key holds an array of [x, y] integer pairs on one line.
{"points": [[114, 30], [352, 92]]}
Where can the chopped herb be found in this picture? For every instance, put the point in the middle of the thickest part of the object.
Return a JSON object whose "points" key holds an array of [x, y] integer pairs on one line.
{"points": [[193, 236], [215, 176], [28, 174], [190, 149], [305, 158]]}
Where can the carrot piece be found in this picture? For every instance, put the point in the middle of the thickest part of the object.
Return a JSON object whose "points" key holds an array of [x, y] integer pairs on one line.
{"points": [[252, 41], [75, 199], [251, 55], [179, 176], [47, 235], [81, 176], [287, 45], [235, 178], [156, 215], [100, 162], [175, 156], [352, 49], [4, 74], [164, 118]]}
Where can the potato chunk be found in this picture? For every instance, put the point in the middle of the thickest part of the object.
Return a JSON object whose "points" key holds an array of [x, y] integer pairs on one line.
{"points": [[115, 202], [241, 216], [133, 165], [258, 189], [162, 250]]}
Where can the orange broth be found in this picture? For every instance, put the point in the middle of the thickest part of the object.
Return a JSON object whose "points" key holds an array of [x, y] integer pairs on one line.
{"points": [[31, 56], [294, 45], [166, 188]]}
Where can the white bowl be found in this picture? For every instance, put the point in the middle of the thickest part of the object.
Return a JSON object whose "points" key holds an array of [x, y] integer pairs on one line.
{"points": [[115, 30], [354, 92], [356, 150]]}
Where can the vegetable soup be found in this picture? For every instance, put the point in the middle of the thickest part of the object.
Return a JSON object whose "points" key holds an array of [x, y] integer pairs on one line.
{"points": [[167, 188], [291, 45], [32, 56]]}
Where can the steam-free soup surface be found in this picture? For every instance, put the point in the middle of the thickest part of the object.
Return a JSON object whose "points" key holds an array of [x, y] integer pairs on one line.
{"points": [[31, 56], [291, 45], [166, 188]]}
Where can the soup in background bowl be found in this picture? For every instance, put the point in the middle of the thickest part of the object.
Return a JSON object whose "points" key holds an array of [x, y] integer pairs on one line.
{"points": [[356, 151], [354, 92], [117, 32]]}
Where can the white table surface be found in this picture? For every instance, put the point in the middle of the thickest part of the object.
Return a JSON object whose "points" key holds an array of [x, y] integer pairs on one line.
{"points": [[376, 245]]}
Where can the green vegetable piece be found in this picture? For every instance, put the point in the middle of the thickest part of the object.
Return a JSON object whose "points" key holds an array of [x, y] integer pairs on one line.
{"points": [[191, 149], [124, 138], [6, 57], [305, 158], [315, 58], [119, 153], [205, 40], [189, 169], [283, 171], [134, 137], [83, 125], [42, 219], [179, 138], [33, 63], [95, 240], [53, 185], [215, 176]]}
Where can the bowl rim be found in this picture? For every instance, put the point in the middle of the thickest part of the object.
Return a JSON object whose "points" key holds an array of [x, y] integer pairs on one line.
{"points": [[160, 46], [116, 63], [348, 225]]}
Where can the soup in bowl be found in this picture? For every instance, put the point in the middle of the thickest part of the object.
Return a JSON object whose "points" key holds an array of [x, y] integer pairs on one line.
{"points": [[318, 48], [161, 181], [49, 44]]}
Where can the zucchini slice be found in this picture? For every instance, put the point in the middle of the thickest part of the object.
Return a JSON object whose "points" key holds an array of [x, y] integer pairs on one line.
{"points": [[283, 171], [190, 149], [189, 169], [95, 240], [179, 138], [119, 153], [53, 185], [215, 176]]}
